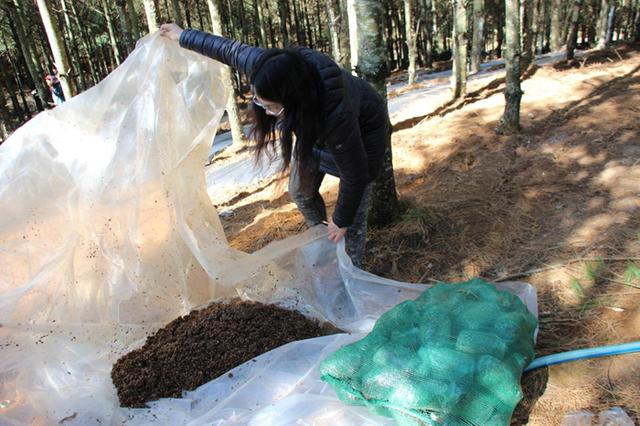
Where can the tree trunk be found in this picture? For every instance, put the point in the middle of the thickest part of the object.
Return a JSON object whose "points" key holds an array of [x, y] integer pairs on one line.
{"points": [[27, 49], [535, 32], [368, 57], [57, 48], [572, 34], [305, 15], [257, 6], [510, 121], [85, 44], [333, 11], [459, 58], [18, 112], [282, 13], [556, 20], [610, 21], [125, 24], [477, 42], [272, 33], [542, 27], [75, 50], [150, 12], [237, 133], [500, 37], [133, 19], [176, 15], [528, 55], [428, 32], [343, 31], [636, 22], [112, 34], [410, 31], [296, 22]]}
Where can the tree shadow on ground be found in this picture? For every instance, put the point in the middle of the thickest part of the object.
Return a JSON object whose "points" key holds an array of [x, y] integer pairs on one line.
{"points": [[495, 86], [544, 205]]}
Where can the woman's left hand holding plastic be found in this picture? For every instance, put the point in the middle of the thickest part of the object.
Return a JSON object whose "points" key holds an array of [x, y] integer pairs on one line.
{"points": [[171, 31], [335, 233]]}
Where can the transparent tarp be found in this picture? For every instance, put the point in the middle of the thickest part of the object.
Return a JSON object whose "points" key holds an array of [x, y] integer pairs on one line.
{"points": [[108, 233]]}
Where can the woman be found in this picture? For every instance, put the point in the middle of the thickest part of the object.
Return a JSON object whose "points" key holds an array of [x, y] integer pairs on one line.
{"points": [[340, 123]]}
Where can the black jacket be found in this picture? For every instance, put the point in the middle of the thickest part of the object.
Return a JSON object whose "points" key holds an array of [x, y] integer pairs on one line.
{"points": [[356, 119]]}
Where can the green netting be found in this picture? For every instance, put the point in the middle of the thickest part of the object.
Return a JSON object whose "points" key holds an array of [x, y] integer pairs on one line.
{"points": [[454, 356]]}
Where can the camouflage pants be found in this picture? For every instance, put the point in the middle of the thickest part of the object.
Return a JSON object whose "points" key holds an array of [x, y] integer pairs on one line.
{"points": [[312, 207]]}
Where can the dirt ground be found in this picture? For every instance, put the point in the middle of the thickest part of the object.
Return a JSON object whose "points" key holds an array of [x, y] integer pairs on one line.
{"points": [[557, 205]]}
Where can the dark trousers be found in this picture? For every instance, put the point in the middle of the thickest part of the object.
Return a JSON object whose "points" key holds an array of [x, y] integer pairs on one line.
{"points": [[312, 207]]}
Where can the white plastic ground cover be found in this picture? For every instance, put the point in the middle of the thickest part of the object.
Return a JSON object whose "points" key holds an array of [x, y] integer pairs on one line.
{"points": [[108, 233], [225, 182]]}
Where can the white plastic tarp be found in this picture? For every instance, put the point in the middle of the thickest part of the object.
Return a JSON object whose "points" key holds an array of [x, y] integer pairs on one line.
{"points": [[107, 234]]}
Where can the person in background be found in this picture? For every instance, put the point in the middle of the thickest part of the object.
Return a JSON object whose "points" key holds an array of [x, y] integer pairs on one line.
{"points": [[320, 117], [53, 83]]}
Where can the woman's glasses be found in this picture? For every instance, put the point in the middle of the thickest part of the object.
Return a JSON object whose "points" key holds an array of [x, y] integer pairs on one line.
{"points": [[267, 109]]}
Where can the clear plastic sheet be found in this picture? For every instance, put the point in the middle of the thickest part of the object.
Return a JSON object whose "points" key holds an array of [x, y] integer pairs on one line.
{"points": [[108, 233]]}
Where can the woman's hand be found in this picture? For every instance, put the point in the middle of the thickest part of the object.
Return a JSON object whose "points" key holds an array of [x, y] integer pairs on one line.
{"points": [[170, 31], [335, 233]]}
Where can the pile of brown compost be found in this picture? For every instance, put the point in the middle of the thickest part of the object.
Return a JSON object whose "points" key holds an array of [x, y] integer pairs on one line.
{"points": [[205, 344]]}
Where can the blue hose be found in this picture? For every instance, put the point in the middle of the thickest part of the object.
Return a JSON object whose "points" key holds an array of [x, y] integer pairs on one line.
{"points": [[548, 360]]}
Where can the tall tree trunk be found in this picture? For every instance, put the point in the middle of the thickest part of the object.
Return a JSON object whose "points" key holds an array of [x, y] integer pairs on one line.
{"points": [[233, 113], [477, 42], [369, 59], [28, 50], [606, 10], [535, 33], [636, 22], [428, 31], [85, 44], [510, 120], [528, 55], [272, 33], [152, 16], [282, 13], [500, 36], [572, 34], [343, 30], [556, 20], [24, 109], [57, 48], [176, 15], [125, 24], [112, 33], [542, 27], [610, 21], [319, 22], [296, 22], [333, 11], [257, 7], [133, 18], [305, 15], [75, 50], [411, 40], [18, 112], [459, 59]]}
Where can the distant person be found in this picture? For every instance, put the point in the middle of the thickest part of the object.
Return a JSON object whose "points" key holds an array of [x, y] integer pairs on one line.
{"points": [[53, 82], [340, 123]]}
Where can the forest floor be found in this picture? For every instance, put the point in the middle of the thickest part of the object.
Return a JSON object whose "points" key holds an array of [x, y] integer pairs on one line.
{"points": [[557, 205]]}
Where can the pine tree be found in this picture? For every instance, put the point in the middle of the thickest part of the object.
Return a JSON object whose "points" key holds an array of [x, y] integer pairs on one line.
{"points": [[510, 121]]}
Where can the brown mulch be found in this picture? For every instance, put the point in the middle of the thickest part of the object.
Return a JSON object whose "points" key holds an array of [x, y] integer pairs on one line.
{"points": [[196, 348]]}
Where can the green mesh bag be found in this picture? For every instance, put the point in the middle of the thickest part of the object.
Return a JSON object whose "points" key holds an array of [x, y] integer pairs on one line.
{"points": [[454, 356]]}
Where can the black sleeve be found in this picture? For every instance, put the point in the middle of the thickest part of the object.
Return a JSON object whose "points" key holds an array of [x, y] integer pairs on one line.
{"points": [[237, 55], [345, 144]]}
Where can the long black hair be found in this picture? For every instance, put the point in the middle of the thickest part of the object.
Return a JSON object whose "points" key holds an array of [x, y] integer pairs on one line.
{"points": [[286, 77]]}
